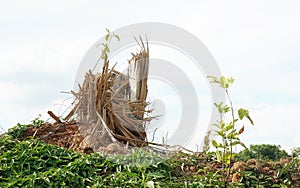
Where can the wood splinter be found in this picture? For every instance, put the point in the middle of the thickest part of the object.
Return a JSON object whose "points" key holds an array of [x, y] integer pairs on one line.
{"points": [[54, 117]]}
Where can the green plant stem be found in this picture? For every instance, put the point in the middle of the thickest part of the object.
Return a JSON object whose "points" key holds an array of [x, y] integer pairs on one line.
{"points": [[230, 139]]}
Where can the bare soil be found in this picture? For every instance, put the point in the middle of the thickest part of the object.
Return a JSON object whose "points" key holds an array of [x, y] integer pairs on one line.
{"points": [[66, 135]]}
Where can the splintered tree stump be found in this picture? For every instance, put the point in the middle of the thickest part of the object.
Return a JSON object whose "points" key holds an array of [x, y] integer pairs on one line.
{"points": [[113, 104], [138, 68]]}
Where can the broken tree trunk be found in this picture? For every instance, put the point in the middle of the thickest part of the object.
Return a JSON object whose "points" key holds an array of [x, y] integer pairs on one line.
{"points": [[138, 68], [111, 105]]}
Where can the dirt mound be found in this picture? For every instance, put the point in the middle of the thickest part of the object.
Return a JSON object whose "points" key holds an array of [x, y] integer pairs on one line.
{"points": [[65, 135], [68, 135]]}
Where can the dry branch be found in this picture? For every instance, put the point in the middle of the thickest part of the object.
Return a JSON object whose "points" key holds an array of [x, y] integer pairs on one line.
{"points": [[54, 116]]}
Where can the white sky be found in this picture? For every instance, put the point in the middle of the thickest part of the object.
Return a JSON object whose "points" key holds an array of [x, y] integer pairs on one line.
{"points": [[256, 42]]}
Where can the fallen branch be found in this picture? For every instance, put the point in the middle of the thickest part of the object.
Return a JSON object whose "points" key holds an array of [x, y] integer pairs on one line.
{"points": [[54, 117]]}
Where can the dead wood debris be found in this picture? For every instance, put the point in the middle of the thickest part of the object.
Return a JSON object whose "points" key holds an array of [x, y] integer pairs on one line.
{"points": [[112, 105], [54, 116]]}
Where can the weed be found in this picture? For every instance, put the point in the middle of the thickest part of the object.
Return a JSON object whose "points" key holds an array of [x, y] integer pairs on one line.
{"points": [[227, 131], [105, 46]]}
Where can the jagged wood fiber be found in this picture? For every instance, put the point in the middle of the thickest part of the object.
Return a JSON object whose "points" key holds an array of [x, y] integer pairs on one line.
{"points": [[113, 104]]}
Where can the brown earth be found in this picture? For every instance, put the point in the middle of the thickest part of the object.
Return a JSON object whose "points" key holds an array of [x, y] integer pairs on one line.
{"points": [[65, 135], [68, 135]]}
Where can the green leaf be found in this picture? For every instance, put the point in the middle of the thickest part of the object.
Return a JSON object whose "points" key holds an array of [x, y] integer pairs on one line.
{"points": [[229, 126], [222, 108], [227, 158], [219, 156], [233, 135], [117, 37], [213, 79], [222, 124], [221, 145], [221, 133], [107, 36], [219, 107], [226, 109], [230, 80], [244, 113], [223, 80], [215, 144], [235, 143]]}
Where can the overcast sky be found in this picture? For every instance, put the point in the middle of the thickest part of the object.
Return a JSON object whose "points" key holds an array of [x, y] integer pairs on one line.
{"points": [[256, 42]]}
